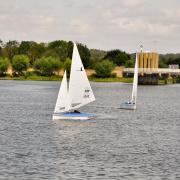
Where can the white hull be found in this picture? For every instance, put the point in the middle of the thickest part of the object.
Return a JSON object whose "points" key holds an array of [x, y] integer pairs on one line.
{"points": [[128, 106], [72, 116]]}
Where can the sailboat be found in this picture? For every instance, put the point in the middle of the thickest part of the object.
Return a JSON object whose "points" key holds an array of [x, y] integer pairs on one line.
{"points": [[74, 95], [131, 105]]}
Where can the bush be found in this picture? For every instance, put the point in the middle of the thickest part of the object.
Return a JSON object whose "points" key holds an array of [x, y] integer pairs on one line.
{"points": [[47, 65], [104, 69], [67, 66], [29, 74], [113, 75], [20, 63], [4, 64], [129, 64], [117, 57]]}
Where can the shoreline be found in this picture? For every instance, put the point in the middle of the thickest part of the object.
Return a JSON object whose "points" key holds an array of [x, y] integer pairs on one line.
{"points": [[91, 78], [57, 78]]}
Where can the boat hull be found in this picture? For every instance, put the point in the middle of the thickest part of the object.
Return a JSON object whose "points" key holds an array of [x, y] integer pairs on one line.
{"points": [[128, 106], [72, 116]]}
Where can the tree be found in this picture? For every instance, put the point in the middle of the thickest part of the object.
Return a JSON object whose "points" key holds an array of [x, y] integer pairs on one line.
{"points": [[11, 49], [60, 48], [67, 66], [117, 57], [36, 51], [96, 56], [20, 63], [47, 65], [104, 69], [174, 61], [24, 47], [85, 54], [163, 63], [1, 48], [70, 49], [129, 64], [4, 64]]}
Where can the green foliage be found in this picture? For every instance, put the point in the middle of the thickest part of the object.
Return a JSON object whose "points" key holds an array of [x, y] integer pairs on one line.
{"points": [[67, 66], [85, 54], [70, 49], [162, 64], [60, 48], [62, 52], [36, 51], [111, 79], [11, 49], [4, 64], [104, 69], [32, 49], [117, 57], [24, 47], [47, 65], [1, 48], [167, 59], [20, 63], [129, 64], [96, 56], [174, 61]]}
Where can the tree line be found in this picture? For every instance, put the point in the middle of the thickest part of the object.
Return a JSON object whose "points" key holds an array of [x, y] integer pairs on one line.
{"points": [[167, 59], [48, 58]]}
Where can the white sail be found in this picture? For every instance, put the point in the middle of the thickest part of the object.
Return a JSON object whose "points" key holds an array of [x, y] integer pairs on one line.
{"points": [[135, 81], [80, 91], [62, 103]]}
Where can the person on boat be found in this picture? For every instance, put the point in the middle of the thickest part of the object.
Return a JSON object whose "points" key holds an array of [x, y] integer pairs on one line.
{"points": [[76, 111]]}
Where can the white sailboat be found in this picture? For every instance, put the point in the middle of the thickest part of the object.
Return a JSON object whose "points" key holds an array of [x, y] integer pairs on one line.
{"points": [[78, 94], [131, 105]]}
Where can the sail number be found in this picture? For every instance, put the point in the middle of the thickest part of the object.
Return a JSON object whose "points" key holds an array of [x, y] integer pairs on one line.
{"points": [[86, 93]]}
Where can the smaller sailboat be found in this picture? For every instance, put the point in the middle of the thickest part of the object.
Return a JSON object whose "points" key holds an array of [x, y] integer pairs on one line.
{"points": [[131, 105], [78, 94]]}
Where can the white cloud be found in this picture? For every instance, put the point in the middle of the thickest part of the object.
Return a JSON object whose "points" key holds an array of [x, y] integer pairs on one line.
{"points": [[80, 26], [140, 26], [134, 3], [99, 23]]}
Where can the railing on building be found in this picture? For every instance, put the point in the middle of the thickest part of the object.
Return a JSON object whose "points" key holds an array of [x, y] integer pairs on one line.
{"points": [[153, 71]]}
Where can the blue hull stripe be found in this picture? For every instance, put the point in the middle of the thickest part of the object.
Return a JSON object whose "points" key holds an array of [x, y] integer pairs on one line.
{"points": [[73, 114]]}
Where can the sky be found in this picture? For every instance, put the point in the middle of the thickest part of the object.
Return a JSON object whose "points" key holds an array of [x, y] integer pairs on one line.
{"points": [[100, 24]]}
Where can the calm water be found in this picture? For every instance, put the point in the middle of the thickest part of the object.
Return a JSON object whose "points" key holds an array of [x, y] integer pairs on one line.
{"points": [[118, 144]]}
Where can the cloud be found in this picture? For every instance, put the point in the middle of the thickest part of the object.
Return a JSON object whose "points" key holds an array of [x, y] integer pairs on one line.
{"points": [[99, 23], [134, 3], [128, 25], [80, 26]]}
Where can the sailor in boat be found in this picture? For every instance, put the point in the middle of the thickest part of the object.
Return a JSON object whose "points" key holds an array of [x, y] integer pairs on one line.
{"points": [[81, 69], [130, 103], [76, 111]]}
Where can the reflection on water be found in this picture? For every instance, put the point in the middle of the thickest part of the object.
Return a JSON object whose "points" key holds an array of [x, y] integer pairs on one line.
{"points": [[118, 144]]}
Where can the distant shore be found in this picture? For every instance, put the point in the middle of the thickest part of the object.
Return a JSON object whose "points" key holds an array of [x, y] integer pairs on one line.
{"points": [[91, 78], [58, 78]]}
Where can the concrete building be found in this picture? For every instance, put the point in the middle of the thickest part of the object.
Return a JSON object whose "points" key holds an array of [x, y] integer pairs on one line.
{"points": [[149, 72], [148, 60]]}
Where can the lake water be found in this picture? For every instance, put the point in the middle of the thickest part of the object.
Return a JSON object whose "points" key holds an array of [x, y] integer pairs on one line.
{"points": [[118, 144]]}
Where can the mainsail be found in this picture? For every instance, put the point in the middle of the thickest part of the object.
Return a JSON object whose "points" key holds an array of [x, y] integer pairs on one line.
{"points": [[135, 81], [62, 103], [80, 91]]}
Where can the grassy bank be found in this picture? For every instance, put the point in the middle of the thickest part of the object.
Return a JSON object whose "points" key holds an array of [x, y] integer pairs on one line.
{"points": [[35, 77], [116, 79]]}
